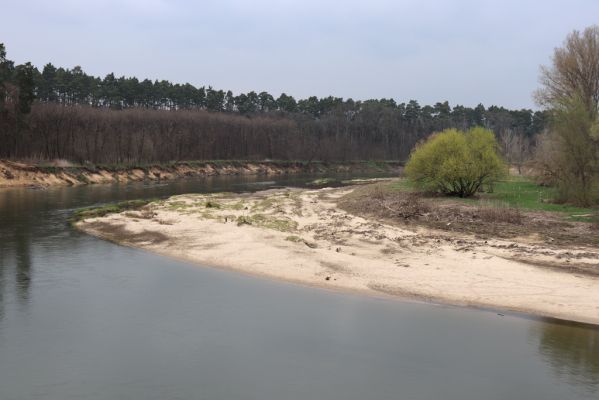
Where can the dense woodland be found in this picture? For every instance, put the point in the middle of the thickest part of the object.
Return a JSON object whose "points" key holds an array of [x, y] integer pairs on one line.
{"points": [[68, 114]]}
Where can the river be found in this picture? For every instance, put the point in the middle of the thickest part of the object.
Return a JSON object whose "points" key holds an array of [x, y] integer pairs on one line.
{"points": [[81, 318]]}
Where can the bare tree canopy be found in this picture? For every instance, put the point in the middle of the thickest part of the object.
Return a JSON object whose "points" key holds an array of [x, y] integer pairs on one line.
{"points": [[569, 153], [66, 113], [574, 72]]}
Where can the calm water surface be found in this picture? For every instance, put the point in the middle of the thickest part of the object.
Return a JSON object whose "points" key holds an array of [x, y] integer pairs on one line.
{"points": [[81, 318]]}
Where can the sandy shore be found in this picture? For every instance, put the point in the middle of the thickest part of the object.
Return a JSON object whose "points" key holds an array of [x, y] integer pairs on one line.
{"points": [[302, 236]]}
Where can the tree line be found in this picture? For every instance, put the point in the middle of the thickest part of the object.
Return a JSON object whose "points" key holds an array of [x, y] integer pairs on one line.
{"points": [[66, 113]]}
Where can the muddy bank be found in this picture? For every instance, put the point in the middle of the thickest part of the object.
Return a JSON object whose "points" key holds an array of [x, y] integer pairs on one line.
{"points": [[22, 174], [303, 236]]}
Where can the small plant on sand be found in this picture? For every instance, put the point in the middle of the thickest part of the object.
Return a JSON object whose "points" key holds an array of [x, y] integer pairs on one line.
{"points": [[457, 163], [177, 205], [243, 220], [212, 204], [237, 206], [263, 221]]}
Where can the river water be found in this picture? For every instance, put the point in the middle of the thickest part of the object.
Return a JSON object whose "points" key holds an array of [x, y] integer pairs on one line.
{"points": [[81, 318]]}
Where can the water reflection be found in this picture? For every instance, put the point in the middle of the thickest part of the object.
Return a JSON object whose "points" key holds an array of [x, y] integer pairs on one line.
{"points": [[23, 263], [572, 350], [19, 215], [2, 275]]}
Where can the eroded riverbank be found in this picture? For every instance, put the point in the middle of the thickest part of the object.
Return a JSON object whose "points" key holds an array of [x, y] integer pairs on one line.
{"points": [[303, 236], [15, 174]]}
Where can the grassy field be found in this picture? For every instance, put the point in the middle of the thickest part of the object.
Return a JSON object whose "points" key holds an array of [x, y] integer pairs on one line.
{"points": [[523, 193]]}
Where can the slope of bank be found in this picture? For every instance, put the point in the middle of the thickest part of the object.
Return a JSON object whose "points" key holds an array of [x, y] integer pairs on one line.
{"points": [[303, 236], [22, 174]]}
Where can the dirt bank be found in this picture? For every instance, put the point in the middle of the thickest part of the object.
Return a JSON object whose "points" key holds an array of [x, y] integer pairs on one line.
{"points": [[22, 174], [304, 236]]}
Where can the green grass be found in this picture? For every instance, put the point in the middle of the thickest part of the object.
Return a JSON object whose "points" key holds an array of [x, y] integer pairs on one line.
{"points": [[520, 192], [404, 185]]}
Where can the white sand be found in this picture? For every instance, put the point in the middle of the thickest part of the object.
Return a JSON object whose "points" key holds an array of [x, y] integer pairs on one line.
{"points": [[303, 237]]}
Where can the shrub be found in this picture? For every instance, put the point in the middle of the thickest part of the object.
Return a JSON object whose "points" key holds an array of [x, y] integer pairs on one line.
{"points": [[456, 163], [567, 156]]}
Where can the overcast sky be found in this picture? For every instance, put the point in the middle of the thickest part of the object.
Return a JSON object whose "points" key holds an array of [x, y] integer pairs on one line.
{"points": [[464, 51]]}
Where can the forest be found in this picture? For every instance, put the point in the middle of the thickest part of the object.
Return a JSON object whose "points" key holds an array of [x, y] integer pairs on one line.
{"points": [[61, 113]]}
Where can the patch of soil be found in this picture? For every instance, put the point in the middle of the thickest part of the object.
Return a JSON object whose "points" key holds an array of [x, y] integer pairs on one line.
{"points": [[419, 209]]}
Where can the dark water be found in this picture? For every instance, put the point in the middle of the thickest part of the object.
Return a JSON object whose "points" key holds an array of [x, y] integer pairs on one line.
{"points": [[81, 318]]}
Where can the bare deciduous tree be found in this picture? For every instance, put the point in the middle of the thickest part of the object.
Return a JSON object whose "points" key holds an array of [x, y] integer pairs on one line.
{"points": [[515, 147], [569, 153], [574, 71]]}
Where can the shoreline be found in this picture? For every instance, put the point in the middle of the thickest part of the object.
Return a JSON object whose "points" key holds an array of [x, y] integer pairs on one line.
{"points": [[21, 174], [328, 248], [440, 302]]}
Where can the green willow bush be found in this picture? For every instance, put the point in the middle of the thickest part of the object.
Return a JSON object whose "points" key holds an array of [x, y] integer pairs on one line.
{"points": [[456, 163]]}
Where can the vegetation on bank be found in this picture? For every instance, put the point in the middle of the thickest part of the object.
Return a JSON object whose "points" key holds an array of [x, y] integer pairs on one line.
{"points": [[60, 113], [522, 192], [518, 207], [568, 154], [462, 164], [457, 163], [62, 172], [517, 192], [101, 211], [66, 114], [267, 221], [382, 165]]}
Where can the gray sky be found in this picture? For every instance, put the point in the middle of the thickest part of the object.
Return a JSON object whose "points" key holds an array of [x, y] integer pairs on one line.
{"points": [[464, 51]]}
